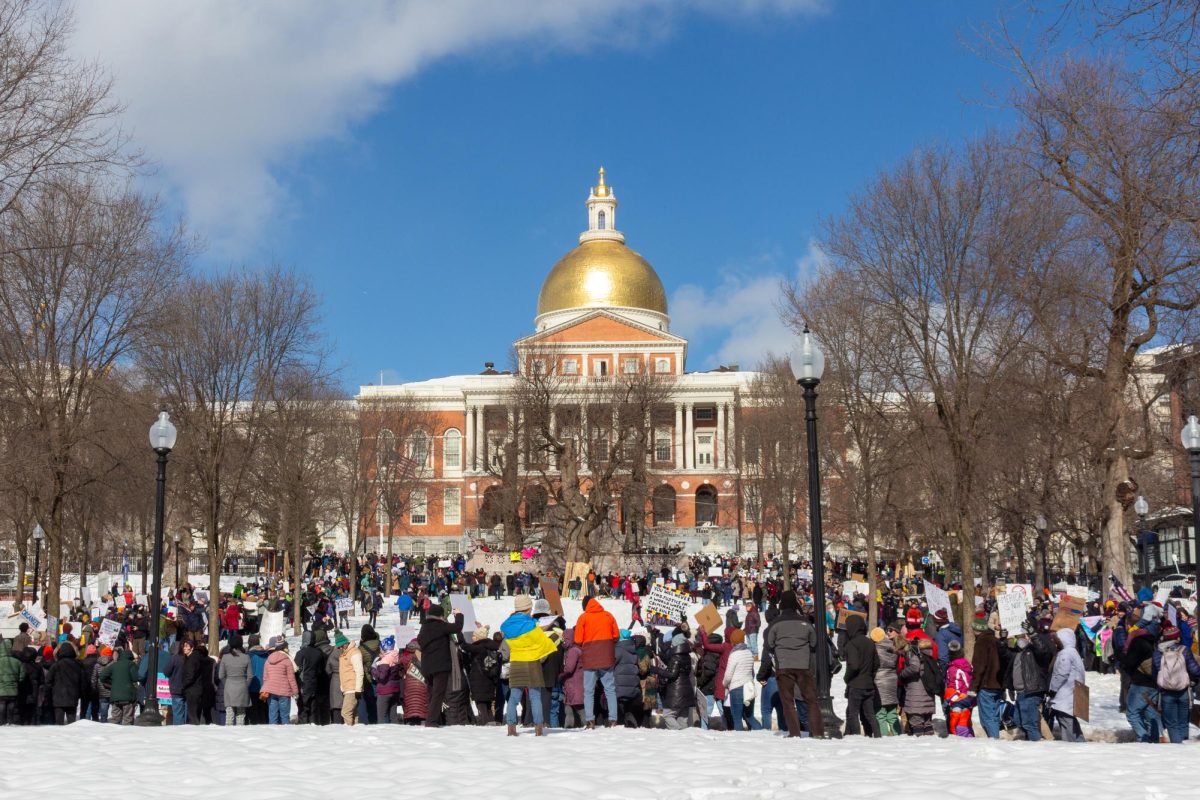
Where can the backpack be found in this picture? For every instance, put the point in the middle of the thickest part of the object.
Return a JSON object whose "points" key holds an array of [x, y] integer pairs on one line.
{"points": [[380, 672], [492, 663], [1172, 670], [931, 676]]}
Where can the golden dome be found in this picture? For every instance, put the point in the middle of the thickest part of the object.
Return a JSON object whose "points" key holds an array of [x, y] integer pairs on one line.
{"points": [[602, 272]]}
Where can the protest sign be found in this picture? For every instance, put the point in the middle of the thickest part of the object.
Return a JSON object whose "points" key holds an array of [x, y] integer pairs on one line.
{"points": [[444, 564], [714, 572], [202, 595], [551, 593], [162, 690], [270, 626], [85, 595], [845, 614], [344, 604], [937, 599], [119, 600], [140, 599], [34, 616], [858, 577], [1012, 611], [709, 618], [1022, 590], [463, 603], [851, 588], [664, 606], [1082, 701], [405, 634], [1070, 610], [110, 629], [1075, 590], [1162, 595]]}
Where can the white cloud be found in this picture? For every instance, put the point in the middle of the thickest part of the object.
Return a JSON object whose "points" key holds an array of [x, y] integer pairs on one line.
{"points": [[738, 321], [224, 96]]}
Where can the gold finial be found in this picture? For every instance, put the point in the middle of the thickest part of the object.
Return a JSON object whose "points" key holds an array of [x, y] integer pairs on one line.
{"points": [[601, 188]]}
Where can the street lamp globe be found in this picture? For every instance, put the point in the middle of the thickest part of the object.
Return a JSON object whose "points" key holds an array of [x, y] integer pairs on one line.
{"points": [[1191, 434], [162, 433], [807, 360], [1141, 507], [38, 533], [1040, 523]]}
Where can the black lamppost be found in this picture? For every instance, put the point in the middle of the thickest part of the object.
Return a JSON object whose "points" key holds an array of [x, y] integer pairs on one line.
{"points": [[808, 363], [162, 439], [1043, 550], [1144, 537], [176, 560], [1191, 443], [38, 535]]}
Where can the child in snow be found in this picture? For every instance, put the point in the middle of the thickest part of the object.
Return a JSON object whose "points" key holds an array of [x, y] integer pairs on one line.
{"points": [[958, 686]]}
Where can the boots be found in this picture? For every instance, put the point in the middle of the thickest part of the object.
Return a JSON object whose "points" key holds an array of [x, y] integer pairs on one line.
{"points": [[512, 730], [539, 730], [591, 725]]}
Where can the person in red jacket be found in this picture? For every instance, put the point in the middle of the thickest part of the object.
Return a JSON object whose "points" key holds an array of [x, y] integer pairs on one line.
{"points": [[233, 620], [596, 633]]}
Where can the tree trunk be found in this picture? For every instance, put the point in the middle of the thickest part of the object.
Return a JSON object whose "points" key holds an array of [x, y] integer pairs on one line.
{"points": [[872, 581], [966, 555], [1114, 546]]}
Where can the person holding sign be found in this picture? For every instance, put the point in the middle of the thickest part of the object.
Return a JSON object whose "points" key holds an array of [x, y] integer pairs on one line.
{"points": [[434, 640], [1068, 671]]}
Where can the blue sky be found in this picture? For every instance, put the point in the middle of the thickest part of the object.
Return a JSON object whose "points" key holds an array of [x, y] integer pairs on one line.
{"points": [[426, 168]]}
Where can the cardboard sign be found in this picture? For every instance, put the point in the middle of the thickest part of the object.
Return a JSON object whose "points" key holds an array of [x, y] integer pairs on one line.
{"points": [[551, 593], [405, 634], [938, 600], [1070, 611], [858, 577], [1081, 702], [666, 605], [845, 614], [709, 619], [1012, 611], [463, 603], [110, 629]]}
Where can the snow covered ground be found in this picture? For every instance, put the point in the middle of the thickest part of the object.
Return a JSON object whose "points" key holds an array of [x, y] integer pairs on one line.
{"points": [[268, 763]]}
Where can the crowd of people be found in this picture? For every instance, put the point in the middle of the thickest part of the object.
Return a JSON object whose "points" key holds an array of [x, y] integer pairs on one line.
{"points": [[757, 672]]}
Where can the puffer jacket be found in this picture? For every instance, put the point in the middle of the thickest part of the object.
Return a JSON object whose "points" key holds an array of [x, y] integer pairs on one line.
{"points": [[119, 678], [739, 670], [676, 687], [11, 671], [101, 689], [571, 676], [886, 676], [482, 685], [1028, 673], [279, 675], [625, 670], [916, 699], [1067, 671], [310, 666], [389, 677], [861, 660], [332, 668], [597, 633], [416, 692]]}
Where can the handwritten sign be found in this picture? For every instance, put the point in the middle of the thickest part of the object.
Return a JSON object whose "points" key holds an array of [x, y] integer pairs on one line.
{"points": [[937, 599], [709, 618], [665, 606], [1022, 590], [1012, 611], [344, 604], [271, 626], [110, 629], [162, 690]]}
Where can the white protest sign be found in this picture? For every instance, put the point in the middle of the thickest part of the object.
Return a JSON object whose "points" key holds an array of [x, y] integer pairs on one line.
{"points": [[34, 616], [52, 626], [1076, 591], [937, 599], [851, 588], [404, 635], [667, 604], [1012, 611], [344, 604], [714, 572], [1022, 590], [464, 604], [119, 599], [85, 594], [110, 629], [444, 564], [103, 583], [141, 600], [1162, 595], [271, 625]]}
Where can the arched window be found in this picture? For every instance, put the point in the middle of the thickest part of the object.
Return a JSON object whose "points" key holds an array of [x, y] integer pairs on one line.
{"points": [[385, 446], [664, 505], [452, 449], [601, 221], [418, 448], [706, 505]]}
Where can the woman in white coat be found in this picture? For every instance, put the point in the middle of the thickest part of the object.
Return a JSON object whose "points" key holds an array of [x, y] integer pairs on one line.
{"points": [[1068, 670]]}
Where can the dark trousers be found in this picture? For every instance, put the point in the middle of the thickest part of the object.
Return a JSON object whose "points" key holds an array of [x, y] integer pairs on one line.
{"points": [[8, 711], [789, 681], [437, 696], [861, 704], [64, 716], [306, 708]]}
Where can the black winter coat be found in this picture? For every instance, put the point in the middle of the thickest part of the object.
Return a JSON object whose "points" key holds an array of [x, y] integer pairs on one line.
{"points": [[66, 680], [434, 640], [677, 690], [862, 660], [310, 665], [90, 692], [30, 689], [706, 672], [482, 685], [626, 670]]}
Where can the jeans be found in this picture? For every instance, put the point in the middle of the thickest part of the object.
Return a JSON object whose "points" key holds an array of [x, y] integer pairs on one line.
{"points": [[179, 711], [991, 703], [1175, 709], [710, 703], [279, 710], [1141, 709], [556, 707], [535, 704], [737, 706], [608, 680], [752, 642], [769, 699], [1029, 714], [105, 703]]}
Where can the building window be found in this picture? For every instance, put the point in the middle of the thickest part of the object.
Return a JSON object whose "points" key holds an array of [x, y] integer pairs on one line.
{"points": [[664, 505], [418, 507], [663, 451], [662, 365], [706, 506], [385, 446], [570, 366], [601, 220], [704, 450], [600, 450], [601, 368], [452, 506], [539, 367], [753, 504], [452, 449], [704, 414], [629, 366], [418, 449]]}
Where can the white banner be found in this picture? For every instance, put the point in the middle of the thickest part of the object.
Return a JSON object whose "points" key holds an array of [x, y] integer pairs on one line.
{"points": [[666, 603], [110, 629], [271, 625], [937, 599], [1011, 606]]}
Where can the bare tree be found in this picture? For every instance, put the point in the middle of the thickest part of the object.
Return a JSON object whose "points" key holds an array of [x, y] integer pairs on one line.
{"points": [[400, 446]]}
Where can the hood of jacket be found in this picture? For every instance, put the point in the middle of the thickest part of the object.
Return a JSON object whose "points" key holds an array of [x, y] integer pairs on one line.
{"points": [[1066, 637], [124, 655], [855, 627], [277, 656], [5, 648]]}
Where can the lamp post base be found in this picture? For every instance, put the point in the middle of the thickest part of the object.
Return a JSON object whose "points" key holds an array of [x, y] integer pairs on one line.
{"points": [[829, 719], [150, 718]]}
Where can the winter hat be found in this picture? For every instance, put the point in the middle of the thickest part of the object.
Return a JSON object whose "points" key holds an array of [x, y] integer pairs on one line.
{"points": [[714, 638], [277, 643], [105, 651], [737, 636], [877, 635], [789, 602], [522, 604], [624, 634], [1169, 632], [367, 633], [913, 617], [481, 633], [940, 617], [541, 608], [436, 610], [339, 639], [955, 648], [91, 650], [979, 623]]}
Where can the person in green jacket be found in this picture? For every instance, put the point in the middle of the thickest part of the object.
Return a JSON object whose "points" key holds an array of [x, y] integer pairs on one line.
{"points": [[121, 677], [11, 676]]}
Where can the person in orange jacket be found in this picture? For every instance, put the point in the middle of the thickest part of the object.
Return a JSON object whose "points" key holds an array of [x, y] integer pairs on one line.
{"points": [[596, 633]]}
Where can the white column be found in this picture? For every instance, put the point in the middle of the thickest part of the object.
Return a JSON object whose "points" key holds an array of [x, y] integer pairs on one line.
{"points": [[731, 434], [520, 434], [553, 459], [481, 439], [689, 437], [677, 435], [616, 367], [585, 441], [719, 461], [470, 436]]}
